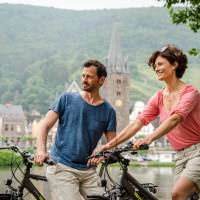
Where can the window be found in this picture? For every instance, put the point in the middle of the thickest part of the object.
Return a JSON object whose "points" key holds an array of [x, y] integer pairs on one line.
{"points": [[18, 128], [118, 81], [6, 127], [118, 93], [12, 127]]}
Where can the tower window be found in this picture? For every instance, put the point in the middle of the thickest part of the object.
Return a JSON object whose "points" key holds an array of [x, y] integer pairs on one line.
{"points": [[118, 93], [18, 128], [6, 127], [12, 127], [119, 81]]}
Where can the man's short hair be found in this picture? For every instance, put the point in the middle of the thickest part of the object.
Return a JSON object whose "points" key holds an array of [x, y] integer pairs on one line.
{"points": [[100, 68]]}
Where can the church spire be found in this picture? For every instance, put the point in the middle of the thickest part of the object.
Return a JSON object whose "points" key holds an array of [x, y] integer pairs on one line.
{"points": [[115, 61]]}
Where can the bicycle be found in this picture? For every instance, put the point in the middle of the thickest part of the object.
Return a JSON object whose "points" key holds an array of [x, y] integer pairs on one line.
{"points": [[13, 193], [128, 187]]}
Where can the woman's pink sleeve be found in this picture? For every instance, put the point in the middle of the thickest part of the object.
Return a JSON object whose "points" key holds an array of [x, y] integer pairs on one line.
{"points": [[188, 101], [151, 110]]}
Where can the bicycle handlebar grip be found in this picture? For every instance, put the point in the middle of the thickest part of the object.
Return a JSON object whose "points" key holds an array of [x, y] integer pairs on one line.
{"points": [[144, 147], [50, 162]]}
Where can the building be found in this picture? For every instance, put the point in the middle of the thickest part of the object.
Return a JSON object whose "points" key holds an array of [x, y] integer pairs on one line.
{"points": [[13, 123], [51, 134], [149, 128], [137, 109], [73, 87], [117, 85]]}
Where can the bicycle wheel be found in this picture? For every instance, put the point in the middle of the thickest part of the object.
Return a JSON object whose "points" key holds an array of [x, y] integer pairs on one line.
{"points": [[5, 196]]}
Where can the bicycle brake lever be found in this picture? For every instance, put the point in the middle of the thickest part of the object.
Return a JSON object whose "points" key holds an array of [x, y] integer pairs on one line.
{"points": [[92, 156], [141, 147], [144, 147], [98, 155]]}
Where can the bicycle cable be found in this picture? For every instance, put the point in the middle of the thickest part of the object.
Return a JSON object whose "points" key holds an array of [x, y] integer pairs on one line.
{"points": [[14, 171], [11, 166], [110, 178]]}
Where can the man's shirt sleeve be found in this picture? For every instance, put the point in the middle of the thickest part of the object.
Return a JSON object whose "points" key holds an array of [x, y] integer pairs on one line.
{"points": [[112, 122], [59, 104]]}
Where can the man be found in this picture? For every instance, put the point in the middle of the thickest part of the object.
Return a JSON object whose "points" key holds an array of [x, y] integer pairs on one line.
{"points": [[83, 118]]}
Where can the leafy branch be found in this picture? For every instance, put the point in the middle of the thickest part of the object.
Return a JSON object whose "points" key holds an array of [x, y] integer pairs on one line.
{"points": [[186, 12]]}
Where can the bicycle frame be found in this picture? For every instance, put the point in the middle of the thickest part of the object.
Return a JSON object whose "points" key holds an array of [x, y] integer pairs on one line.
{"points": [[27, 184], [26, 181], [127, 181], [128, 185]]}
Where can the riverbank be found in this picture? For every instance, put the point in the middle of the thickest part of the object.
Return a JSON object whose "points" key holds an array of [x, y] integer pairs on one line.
{"points": [[149, 164]]}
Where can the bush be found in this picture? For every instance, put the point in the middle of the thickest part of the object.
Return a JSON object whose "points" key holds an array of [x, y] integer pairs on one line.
{"points": [[6, 157]]}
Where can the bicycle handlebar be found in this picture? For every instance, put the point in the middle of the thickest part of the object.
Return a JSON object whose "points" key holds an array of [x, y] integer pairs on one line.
{"points": [[117, 151], [25, 155]]}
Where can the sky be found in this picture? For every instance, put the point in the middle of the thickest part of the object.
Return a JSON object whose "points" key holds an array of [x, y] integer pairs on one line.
{"points": [[87, 4]]}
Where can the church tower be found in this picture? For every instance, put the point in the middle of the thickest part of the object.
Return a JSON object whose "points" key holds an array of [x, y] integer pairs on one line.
{"points": [[116, 87]]}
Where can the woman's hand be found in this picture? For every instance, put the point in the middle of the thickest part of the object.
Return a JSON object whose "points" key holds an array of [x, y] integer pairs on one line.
{"points": [[139, 142]]}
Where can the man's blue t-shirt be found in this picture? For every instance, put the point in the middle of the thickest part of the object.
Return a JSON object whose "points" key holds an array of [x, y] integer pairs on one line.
{"points": [[81, 125]]}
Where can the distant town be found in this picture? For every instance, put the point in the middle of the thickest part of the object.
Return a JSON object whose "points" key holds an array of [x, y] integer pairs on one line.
{"points": [[21, 128]]}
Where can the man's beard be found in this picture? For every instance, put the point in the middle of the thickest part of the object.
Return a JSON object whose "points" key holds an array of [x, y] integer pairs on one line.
{"points": [[88, 88]]}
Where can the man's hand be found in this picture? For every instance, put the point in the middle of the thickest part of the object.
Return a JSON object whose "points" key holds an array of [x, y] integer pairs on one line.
{"points": [[96, 161], [40, 158]]}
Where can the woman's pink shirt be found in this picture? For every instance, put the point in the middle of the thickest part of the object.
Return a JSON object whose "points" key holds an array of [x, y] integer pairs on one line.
{"points": [[187, 132]]}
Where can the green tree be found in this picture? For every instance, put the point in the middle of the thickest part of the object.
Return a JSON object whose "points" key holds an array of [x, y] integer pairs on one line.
{"points": [[186, 12], [35, 95]]}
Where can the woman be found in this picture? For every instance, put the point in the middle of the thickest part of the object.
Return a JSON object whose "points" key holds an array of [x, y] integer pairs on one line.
{"points": [[178, 106]]}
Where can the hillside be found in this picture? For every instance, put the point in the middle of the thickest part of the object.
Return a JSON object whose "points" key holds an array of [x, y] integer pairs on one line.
{"points": [[42, 49]]}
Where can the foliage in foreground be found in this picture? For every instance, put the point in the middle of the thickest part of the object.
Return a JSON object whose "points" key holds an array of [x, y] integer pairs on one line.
{"points": [[186, 12]]}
